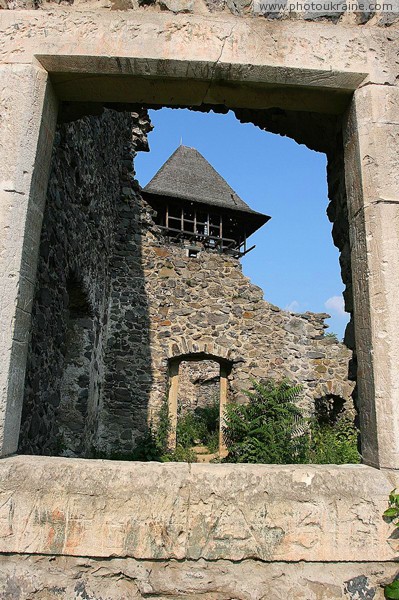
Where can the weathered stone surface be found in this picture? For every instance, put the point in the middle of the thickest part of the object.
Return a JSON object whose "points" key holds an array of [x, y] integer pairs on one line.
{"points": [[164, 511], [69, 578], [236, 7], [372, 167], [199, 383], [178, 6], [28, 112], [85, 199], [309, 57]]}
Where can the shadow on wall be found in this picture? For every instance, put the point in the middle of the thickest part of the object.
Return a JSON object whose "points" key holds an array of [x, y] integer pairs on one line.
{"points": [[86, 391]]}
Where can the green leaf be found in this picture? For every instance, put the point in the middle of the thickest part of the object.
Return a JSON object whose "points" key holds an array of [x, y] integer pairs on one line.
{"points": [[391, 512], [391, 591]]}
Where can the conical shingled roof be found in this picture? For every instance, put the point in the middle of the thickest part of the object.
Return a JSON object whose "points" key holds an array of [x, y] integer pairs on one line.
{"points": [[189, 176]]}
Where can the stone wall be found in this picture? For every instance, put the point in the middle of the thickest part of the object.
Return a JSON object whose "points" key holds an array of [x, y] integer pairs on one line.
{"points": [[106, 530], [66, 366], [199, 385], [70, 578], [205, 305], [238, 8]]}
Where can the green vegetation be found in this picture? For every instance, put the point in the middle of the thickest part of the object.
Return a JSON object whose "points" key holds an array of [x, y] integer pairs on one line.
{"points": [[333, 443], [391, 590], [268, 429], [332, 336], [179, 454], [271, 429], [200, 427]]}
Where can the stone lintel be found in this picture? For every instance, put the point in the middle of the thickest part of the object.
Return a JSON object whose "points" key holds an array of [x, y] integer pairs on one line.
{"points": [[125, 56]]}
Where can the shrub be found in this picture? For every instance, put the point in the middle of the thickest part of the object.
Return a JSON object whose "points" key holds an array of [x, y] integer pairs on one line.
{"points": [[200, 426], [332, 336], [212, 441], [333, 443], [269, 429], [180, 454], [160, 434], [209, 415], [190, 430]]}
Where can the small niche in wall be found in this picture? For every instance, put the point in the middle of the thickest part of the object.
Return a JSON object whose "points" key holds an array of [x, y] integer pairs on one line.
{"points": [[78, 302], [193, 252]]}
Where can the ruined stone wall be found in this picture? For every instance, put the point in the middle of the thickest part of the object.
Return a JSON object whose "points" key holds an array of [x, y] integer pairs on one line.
{"points": [[199, 385], [206, 304], [166, 305], [123, 415], [65, 372], [133, 530]]}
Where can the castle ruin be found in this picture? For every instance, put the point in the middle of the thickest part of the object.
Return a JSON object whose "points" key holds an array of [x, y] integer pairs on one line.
{"points": [[131, 285], [79, 334]]}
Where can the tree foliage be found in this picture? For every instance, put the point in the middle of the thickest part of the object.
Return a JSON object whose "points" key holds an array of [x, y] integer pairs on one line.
{"points": [[269, 429]]}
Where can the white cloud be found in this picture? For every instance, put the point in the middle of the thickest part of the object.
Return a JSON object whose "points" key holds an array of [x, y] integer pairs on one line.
{"points": [[293, 306], [335, 304]]}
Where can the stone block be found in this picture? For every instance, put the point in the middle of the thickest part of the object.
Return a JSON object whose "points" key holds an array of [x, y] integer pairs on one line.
{"points": [[26, 131], [371, 148], [231, 512], [178, 6]]}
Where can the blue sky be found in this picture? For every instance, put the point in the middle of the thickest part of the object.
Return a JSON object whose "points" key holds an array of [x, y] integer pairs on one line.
{"points": [[295, 261]]}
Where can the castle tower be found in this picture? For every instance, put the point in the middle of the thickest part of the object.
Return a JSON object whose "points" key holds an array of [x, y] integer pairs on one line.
{"points": [[197, 208]]}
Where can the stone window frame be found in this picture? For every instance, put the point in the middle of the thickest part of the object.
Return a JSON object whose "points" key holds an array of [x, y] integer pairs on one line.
{"points": [[39, 81]]}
